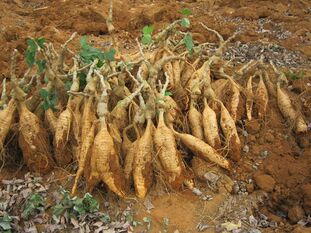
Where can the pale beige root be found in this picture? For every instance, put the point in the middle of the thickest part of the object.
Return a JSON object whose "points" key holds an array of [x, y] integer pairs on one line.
{"points": [[105, 164], [234, 100], [62, 149], [169, 156], [203, 74], [230, 132], [86, 139], [119, 115], [210, 126], [262, 98], [195, 121], [202, 149], [287, 110], [249, 98], [218, 86], [84, 158], [51, 119], [6, 120], [181, 97], [75, 131], [142, 166], [126, 142], [33, 141], [115, 133], [172, 111], [270, 86], [186, 72], [34, 101], [88, 116], [128, 163]]}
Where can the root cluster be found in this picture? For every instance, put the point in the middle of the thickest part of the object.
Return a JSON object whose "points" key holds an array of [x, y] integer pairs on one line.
{"points": [[137, 119]]}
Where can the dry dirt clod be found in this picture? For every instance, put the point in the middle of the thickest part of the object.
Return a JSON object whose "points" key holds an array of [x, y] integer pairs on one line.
{"points": [[295, 213], [301, 229], [269, 137], [265, 182], [252, 126], [306, 191]]}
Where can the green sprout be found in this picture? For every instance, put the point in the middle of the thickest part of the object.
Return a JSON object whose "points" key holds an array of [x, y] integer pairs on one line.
{"points": [[33, 204], [147, 34], [88, 53], [31, 54]]}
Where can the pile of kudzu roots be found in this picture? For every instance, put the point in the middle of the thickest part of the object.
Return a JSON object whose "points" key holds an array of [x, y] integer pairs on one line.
{"points": [[131, 120]]}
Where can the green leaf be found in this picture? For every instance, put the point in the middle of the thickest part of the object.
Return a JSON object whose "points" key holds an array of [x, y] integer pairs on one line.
{"points": [[148, 221], [105, 218], [45, 106], [188, 41], [34, 203], [110, 55], [88, 53], [31, 52], [146, 39], [5, 223], [185, 22], [90, 203], [166, 221], [148, 30], [186, 11], [83, 43], [40, 42], [44, 94], [58, 210], [41, 65], [168, 93], [68, 85], [78, 206]]}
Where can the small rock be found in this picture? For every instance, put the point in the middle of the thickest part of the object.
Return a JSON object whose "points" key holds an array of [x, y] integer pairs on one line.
{"points": [[254, 231], [250, 188], [269, 137], [295, 213], [265, 182], [246, 148], [252, 126], [252, 221]]}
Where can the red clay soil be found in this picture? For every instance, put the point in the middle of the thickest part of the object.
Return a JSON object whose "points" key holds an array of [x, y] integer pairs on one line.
{"points": [[278, 161]]}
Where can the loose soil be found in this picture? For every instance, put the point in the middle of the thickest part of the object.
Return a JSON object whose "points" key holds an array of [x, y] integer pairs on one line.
{"points": [[277, 161]]}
